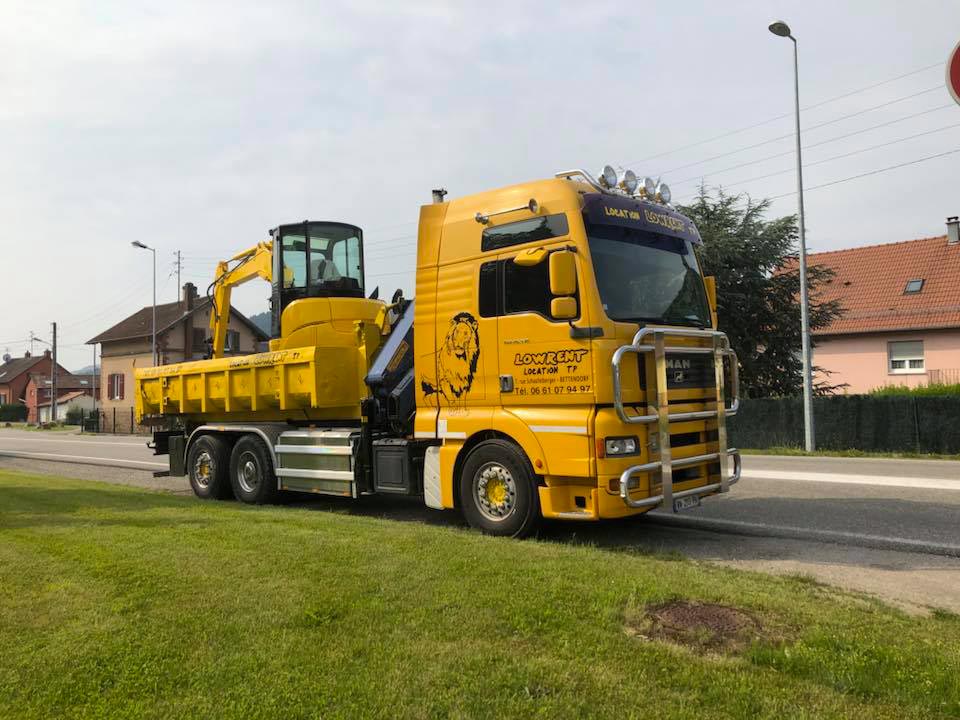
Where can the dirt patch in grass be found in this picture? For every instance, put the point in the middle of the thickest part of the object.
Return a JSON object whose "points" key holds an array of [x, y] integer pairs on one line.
{"points": [[703, 626]]}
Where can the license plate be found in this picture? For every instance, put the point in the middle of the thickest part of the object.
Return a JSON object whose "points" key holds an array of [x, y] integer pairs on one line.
{"points": [[685, 503]]}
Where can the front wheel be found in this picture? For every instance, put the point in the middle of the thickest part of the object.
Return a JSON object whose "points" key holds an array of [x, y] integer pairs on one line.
{"points": [[251, 471], [498, 492]]}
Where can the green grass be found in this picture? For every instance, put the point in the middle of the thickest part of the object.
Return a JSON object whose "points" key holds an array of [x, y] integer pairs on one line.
{"points": [[795, 451], [119, 603], [36, 428]]}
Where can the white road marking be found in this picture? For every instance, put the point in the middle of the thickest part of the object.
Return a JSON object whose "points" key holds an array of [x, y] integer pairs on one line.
{"points": [[9, 439], [87, 458], [881, 480]]}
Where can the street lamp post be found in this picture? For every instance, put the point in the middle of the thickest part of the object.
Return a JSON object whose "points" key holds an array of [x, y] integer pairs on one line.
{"points": [[781, 29], [138, 244]]}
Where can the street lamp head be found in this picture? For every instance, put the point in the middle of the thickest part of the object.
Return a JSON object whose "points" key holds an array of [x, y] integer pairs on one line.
{"points": [[780, 28], [138, 244]]}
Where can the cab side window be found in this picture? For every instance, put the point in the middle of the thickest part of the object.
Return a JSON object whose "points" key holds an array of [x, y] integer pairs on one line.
{"points": [[526, 289], [506, 288]]}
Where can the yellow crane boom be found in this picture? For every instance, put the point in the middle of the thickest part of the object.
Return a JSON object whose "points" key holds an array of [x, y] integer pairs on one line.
{"points": [[252, 262]]}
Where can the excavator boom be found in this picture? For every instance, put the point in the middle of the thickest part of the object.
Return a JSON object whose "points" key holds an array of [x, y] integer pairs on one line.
{"points": [[251, 263]]}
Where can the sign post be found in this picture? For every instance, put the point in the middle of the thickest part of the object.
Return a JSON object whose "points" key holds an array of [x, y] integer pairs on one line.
{"points": [[953, 73]]}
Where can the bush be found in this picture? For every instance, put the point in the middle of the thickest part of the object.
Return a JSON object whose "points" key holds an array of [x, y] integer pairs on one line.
{"points": [[74, 416], [921, 391], [13, 412]]}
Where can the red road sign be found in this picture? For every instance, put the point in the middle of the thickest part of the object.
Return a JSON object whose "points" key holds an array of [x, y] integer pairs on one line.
{"points": [[953, 73]]}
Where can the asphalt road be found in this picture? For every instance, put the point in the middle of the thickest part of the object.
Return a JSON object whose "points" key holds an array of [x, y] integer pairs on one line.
{"points": [[887, 527]]}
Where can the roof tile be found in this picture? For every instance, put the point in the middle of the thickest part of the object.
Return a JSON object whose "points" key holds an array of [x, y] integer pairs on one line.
{"points": [[869, 282]]}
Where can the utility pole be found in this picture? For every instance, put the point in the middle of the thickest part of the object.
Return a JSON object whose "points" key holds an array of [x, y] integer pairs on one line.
{"points": [[94, 389], [179, 265], [53, 379]]}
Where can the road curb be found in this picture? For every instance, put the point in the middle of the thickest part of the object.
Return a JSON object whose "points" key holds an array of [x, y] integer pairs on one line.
{"points": [[736, 527], [119, 463]]}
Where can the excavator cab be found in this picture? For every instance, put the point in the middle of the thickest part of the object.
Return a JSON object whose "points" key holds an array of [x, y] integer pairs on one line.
{"points": [[315, 259]]}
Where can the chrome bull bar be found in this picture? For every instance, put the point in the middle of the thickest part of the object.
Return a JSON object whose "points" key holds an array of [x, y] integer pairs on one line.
{"points": [[720, 349]]}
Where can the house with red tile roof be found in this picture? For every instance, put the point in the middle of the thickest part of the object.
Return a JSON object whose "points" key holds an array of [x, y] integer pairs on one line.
{"points": [[182, 330], [901, 324]]}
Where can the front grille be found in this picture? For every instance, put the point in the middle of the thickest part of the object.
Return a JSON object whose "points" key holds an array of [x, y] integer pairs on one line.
{"points": [[684, 439], [684, 371]]}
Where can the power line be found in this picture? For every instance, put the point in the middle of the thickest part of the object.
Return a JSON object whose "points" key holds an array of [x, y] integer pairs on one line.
{"points": [[786, 115], [806, 129], [868, 174], [838, 157], [813, 145]]}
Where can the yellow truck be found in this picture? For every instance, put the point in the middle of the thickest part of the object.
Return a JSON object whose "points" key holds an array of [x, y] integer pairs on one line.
{"points": [[561, 359]]}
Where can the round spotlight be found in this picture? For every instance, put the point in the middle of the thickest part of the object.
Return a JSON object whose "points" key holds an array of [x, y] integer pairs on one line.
{"points": [[648, 187], [663, 193], [628, 182], [608, 177]]}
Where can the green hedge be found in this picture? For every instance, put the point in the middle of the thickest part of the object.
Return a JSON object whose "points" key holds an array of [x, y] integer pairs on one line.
{"points": [[13, 412], [882, 423]]}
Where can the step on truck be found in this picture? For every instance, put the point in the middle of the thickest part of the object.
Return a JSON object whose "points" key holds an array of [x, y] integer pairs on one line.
{"points": [[560, 359]]}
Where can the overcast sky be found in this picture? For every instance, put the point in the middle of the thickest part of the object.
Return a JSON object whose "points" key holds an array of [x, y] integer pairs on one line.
{"points": [[199, 126]]}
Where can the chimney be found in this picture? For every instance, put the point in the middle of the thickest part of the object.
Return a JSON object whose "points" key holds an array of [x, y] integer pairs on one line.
{"points": [[953, 231], [189, 295]]}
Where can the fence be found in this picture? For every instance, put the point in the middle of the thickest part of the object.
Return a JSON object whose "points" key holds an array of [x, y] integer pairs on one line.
{"points": [[119, 421], [853, 422]]}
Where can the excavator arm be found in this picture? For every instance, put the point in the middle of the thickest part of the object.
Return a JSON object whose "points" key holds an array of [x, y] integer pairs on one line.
{"points": [[253, 262]]}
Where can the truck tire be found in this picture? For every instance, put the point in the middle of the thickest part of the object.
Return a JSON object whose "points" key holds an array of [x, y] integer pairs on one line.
{"points": [[208, 461], [498, 490], [251, 471]]}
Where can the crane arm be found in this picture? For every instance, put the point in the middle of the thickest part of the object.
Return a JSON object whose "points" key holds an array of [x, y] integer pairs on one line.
{"points": [[253, 262]]}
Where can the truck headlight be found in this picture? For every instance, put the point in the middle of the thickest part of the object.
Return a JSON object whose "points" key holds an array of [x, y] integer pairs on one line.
{"points": [[621, 446]]}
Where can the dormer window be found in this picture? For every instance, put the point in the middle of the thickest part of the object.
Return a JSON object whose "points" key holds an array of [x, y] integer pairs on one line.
{"points": [[913, 286]]}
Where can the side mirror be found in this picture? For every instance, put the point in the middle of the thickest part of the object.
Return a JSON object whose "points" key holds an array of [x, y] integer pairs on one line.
{"points": [[563, 308], [563, 273]]}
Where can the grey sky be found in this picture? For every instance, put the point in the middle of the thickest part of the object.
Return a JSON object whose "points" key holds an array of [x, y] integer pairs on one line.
{"points": [[198, 126]]}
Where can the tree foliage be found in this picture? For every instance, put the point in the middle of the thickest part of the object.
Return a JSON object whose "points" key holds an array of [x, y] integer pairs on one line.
{"points": [[758, 287]]}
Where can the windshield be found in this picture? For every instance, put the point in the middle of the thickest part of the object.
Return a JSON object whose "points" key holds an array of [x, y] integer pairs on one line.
{"points": [[647, 277]]}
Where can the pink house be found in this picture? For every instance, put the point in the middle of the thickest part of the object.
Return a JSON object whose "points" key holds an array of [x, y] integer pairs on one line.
{"points": [[902, 320]]}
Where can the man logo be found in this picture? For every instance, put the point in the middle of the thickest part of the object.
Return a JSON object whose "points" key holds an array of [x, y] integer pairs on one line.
{"points": [[679, 377]]}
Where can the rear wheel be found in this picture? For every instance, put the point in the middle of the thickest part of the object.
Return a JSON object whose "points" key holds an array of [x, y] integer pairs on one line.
{"points": [[498, 492], [251, 471], [208, 463]]}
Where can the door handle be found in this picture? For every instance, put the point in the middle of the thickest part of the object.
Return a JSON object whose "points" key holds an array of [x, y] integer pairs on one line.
{"points": [[506, 383]]}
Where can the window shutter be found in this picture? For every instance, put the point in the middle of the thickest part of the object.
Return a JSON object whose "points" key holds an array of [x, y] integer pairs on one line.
{"points": [[906, 350], [120, 377]]}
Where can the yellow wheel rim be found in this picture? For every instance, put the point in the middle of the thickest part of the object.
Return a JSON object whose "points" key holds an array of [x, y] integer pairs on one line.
{"points": [[495, 491]]}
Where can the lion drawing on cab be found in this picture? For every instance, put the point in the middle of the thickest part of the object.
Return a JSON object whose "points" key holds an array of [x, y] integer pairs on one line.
{"points": [[456, 361]]}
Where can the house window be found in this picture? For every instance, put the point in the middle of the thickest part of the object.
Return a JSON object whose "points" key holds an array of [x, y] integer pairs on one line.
{"points": [[115, 386], [233, 341], [913, 286], [3, 398], [905, 357]]}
